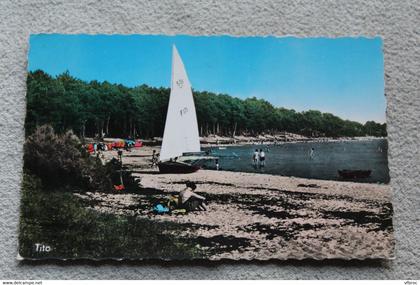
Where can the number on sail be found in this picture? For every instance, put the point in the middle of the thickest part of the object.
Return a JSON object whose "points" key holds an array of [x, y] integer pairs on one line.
{"points": [[180, 83], [183, 111]]}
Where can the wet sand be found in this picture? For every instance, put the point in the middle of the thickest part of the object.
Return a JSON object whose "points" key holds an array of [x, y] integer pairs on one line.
{"points": [[260, 216]]}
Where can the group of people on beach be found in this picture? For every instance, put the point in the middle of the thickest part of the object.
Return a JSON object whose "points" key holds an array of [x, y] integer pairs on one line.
{"points": [[96, 148], [258, 158]]}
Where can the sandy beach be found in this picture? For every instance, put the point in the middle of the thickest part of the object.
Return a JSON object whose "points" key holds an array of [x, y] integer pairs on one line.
{"points": [[261, 216]]}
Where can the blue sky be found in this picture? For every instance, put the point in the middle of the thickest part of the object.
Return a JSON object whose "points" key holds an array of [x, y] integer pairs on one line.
{"points": [[342, 76]]}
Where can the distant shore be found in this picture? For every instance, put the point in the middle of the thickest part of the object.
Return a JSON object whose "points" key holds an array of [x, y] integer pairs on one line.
{"points": [[215, 140], [270, 140]]}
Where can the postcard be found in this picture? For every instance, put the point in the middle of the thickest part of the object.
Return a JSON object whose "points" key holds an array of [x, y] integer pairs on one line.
{"points": [[205, 147]]}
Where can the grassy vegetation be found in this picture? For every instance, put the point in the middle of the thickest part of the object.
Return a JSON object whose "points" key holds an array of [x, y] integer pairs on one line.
{"points": [[60, 220]]}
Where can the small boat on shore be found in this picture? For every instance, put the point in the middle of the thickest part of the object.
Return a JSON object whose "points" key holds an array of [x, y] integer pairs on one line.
{"points": [[177, 167], [354, 174]]}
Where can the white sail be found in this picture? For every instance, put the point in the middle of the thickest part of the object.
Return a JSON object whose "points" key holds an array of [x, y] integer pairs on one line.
{"points": [[181, 128]]}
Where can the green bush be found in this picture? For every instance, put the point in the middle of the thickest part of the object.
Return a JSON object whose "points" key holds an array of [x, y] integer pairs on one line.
{"points": [[61, 162]]}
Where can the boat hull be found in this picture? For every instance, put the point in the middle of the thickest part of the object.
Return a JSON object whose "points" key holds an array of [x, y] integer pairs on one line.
{"points": [[176, 167], [354, 174]]}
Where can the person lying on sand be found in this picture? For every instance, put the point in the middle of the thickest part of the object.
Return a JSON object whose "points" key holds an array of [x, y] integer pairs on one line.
{"points": [[190, 200]]}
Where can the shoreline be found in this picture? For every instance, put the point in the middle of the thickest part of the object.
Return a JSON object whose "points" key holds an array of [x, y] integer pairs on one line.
{"points": [[223, 141], [309, 140], [279, 139], [140, 159]]}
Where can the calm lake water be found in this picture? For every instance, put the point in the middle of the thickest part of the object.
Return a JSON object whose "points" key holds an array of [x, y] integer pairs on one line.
{"points": [[293, 159]]}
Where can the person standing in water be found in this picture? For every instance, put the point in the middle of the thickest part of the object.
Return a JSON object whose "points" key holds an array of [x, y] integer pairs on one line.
{"points": [[312, 153], [255, 157], [217, 164], [262, 158]]}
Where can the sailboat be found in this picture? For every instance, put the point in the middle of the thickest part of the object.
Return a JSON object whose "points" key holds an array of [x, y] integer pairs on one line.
{"points": [[181, 142]]}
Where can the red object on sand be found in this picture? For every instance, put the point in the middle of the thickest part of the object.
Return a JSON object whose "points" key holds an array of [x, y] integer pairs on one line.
{"points": [[90, 148], [138, 143], [118, 144], [119, 187]]}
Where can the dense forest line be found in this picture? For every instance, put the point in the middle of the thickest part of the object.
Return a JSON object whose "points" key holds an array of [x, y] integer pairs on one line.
{"points": [[92, 108]]}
